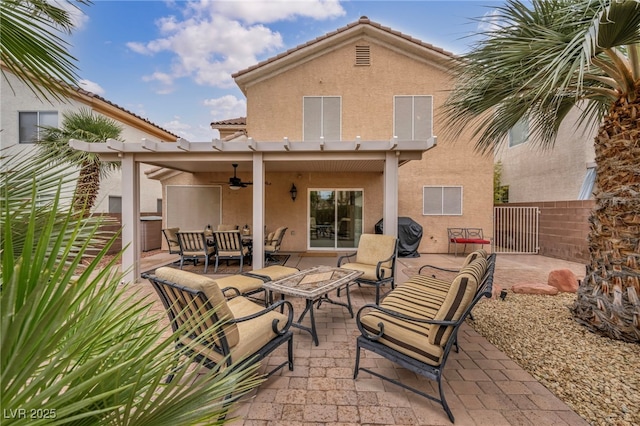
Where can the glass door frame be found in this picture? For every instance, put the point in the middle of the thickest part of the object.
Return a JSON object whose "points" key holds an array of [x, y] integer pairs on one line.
{"points": [[335, 247]]}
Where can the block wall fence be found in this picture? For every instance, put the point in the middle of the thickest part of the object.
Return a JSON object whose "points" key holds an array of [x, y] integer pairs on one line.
{"points": [[564, 227]]}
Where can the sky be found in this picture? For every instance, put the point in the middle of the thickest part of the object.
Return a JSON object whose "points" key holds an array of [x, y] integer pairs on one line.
{"points": [[171, 61]]}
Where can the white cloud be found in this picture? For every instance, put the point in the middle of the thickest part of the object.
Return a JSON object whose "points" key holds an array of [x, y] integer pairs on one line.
{"points": [[91, 86], [186, 131], [225, 107], [214, 39], [252, 11], [164, 80]]}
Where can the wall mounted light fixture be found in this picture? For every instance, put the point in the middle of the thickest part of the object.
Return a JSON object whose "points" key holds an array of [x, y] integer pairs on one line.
{"points": [[294, 192]]}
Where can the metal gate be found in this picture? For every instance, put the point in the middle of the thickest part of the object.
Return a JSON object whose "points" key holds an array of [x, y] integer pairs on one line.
{"points": [[515, 230]]}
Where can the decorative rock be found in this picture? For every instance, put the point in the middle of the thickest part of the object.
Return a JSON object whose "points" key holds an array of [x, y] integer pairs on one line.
{"points": [[534, 288], [564, 280]]}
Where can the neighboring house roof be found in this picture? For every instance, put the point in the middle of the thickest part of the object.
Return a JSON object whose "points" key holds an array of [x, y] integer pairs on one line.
{"points": [[240, 121], [108, 108], [112, 110], [361, 28]]}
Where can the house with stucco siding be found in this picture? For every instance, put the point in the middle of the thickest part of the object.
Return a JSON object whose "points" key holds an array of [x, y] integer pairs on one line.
{"points": [[363, 82], [340, 133], [21, 112]]}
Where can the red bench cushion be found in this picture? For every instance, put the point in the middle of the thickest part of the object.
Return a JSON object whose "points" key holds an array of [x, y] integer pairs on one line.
{"points": [[470, 241]]}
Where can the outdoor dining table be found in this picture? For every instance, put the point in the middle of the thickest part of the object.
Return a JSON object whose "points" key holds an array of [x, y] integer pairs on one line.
{"points": [[314, 285]]}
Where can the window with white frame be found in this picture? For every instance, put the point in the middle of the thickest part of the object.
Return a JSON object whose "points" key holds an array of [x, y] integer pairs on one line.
{"points": [[413, 117], [519, 133], [29, 123], [322, 118], [442, 200]]}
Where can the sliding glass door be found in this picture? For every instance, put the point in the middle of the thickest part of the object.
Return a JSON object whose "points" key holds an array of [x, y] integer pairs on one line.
{"points": [[335, 218]]}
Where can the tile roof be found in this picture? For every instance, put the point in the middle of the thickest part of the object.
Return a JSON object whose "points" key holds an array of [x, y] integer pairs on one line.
{"points": [[362, 21], [146, 120], [239, 121]]}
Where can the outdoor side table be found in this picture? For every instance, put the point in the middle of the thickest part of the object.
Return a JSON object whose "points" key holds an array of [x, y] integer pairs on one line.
{"points": [[313, 285]]}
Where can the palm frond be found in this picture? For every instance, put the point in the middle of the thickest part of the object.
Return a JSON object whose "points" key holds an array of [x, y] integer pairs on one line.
{"points": [[33, 48], [537, 62], [73, 338]]}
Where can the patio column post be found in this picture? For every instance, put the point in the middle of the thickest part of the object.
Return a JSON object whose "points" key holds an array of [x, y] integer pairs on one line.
{"points": [[130, 218], [390, 194], [258, 211]]}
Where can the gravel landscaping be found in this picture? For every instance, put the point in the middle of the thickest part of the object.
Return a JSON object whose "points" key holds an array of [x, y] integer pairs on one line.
{"points": [[597, 377]]}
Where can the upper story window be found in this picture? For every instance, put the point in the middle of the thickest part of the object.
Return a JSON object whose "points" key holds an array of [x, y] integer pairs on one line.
{"points": [[519, 133], [322, 118], [442, 200], [29, 123], [413, 117]]}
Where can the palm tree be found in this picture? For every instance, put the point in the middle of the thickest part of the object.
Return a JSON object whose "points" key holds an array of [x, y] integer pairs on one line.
{"points": [[539, 62], [89, 127], [32, 47]]}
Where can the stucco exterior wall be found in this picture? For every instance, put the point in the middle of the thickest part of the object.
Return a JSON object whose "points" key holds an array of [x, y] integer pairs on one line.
{"points": [[550, 175], [17, 97], [275, 111], [280, 209]]}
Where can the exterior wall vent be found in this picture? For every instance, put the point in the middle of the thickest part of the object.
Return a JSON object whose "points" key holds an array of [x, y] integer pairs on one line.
{"points": [[363, 55]]}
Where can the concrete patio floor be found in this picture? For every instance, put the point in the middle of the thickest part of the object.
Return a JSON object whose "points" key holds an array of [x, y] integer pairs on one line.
{"points": [[482, 385]]}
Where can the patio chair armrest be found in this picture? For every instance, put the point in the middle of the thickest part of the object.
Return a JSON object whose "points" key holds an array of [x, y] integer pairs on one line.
{"points": [[345, 257], [231, 289], [379, 270], [437, 268], [274, 324], [372, 307]]}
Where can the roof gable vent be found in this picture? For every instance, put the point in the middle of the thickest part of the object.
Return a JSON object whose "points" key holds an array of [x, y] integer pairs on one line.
{"points": [[363, 55]]}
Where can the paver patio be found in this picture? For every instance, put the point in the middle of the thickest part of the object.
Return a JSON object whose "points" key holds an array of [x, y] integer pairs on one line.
{"points": [[482, 385]]}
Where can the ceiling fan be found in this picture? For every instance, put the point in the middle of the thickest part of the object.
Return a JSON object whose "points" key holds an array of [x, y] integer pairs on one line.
{"points": [[235, 182]]}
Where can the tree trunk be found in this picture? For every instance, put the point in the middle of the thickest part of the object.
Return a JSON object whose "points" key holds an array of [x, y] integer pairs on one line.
{"points": [[607, 300], [87, 188]]}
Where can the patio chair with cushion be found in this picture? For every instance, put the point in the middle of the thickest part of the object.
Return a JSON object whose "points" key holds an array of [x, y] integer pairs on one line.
{"points": [[193, 246], [273, 242], [416, 325], [214, 330], [170, 235], [229, 246], [376, 258]]}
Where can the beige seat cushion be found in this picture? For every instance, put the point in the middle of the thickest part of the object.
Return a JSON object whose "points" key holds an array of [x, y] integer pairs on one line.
{"points": [[211, 290], [474, 255], [253, 334], [234, 253], [209, 251], [242, 283], [461, 293], [275, 272], [374, 248]]}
